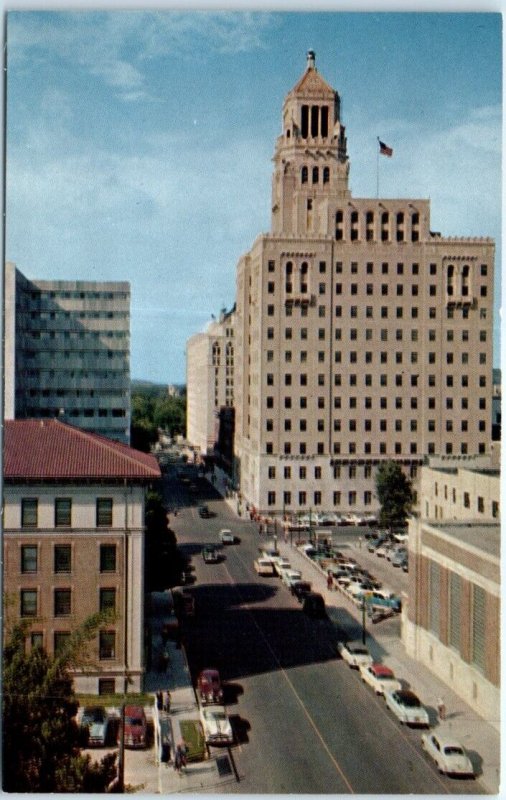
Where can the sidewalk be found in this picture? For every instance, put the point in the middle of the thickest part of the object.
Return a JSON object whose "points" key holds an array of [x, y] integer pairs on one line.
{"points": [[144, 770], [462, 722]]}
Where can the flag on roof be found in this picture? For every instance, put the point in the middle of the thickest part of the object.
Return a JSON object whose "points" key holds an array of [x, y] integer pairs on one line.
{"points": [[385, 150]]}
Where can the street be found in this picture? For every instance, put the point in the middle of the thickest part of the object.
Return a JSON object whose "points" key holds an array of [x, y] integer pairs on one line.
{"points": [[304, 721]]}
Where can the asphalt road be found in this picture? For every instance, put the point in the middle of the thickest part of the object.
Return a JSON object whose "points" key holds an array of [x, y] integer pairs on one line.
{"points": [[304, 721]]}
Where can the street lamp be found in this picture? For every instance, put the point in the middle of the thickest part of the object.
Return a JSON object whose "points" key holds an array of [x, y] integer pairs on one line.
{"points": [[363, 619]]}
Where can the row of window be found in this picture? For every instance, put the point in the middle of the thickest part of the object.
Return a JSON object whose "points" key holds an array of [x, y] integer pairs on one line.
{"points": [[75, 335], [352, 472], [368, 334], [305, 499], [382, 425], [63, 512], [61, 294], [368, 312], [60, 315], [368, 358], [369, 289], [62, 602], [62, 559], [451, 272], [54, 411], [106, 650], [381, 448], [382, 379]]}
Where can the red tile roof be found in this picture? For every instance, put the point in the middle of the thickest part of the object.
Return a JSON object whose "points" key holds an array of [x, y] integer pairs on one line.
{"points": [[50, 450]]}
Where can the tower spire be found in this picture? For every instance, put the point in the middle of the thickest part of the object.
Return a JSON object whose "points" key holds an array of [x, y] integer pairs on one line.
{"points": [[311, 59]]}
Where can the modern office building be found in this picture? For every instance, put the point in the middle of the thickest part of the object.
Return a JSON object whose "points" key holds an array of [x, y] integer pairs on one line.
{"points": [[210, 382], [73, 545], [361, 334], [67, 352], [451, 620]]}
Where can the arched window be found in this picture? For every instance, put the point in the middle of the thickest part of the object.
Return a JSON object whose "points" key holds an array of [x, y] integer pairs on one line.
{"points": [[400, 226], [326, 174], [315, 174], [465, 280], [450, 278], [216, 354], [303, 175]]}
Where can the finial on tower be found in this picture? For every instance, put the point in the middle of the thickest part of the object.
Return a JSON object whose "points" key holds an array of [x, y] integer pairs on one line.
{"points": [[311, 59]]}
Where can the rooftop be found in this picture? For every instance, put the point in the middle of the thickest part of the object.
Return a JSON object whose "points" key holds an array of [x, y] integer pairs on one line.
{"points": [[53, 450], [486, 538]]}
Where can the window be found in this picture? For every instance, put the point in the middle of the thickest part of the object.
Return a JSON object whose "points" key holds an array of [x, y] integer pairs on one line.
{"points": [[62, 512], [36, 639], [29, 558], [287, 472], [62, 602], [272, 472], [29, 512], [62, 558], [302, 498], [104, 512], [107, 644], [28, 603], [60, 641], [302, 473], [106, 686], [107, 558], [107, 599], [269, 402]]}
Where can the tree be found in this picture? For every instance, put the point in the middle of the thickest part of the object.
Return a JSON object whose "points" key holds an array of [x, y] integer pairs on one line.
{"points": [[41, 738], [394, 492]]}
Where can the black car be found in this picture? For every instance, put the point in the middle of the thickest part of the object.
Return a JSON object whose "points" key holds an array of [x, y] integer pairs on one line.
{"points": [[210, 555], [204, 512], [300, 589], [314, 605]]}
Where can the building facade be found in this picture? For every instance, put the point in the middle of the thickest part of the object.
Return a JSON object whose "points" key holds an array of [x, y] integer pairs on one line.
{"points": [[361, 334], [67, 352], [73, 545], [451, 620], [210, 382]]}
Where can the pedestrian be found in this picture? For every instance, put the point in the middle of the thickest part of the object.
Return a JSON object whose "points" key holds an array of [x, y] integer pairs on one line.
{"points": [[183, 750], [177, 760], [159, 701], [330, 582], [441, 709], [360, 543], [166, 701]]}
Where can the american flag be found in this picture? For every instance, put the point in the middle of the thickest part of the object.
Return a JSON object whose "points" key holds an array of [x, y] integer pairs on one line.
{"points": [[385, 150]]}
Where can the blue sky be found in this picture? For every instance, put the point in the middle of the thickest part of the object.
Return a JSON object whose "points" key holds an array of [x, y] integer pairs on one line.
{"points": [[139, 143]]}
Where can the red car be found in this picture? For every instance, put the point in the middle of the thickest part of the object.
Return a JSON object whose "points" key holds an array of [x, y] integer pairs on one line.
{"points": [[209, 687], [135, 727]]}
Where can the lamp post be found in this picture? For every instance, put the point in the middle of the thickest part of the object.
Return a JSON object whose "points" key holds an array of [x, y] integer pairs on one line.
{"points": [[363, 619]]}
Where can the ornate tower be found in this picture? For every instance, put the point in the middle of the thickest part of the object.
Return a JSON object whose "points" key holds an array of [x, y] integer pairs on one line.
{"points": [[310, 161]]}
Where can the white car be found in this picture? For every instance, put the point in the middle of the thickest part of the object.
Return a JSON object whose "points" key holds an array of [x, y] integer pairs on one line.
{"points": [[289, 576], [355, 654], [281, 563], [448, 754], [216, 724], [380, 678], [226, 536], [407, 707]]}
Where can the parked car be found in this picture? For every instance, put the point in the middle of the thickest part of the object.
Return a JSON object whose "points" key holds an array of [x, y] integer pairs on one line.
{"points": [[210, 555], [226, 536], [354, 653], [407, 707], [380, 678], [209, 687], [289, 576], [399, 557], [95, 726], [135, 734], [280, 563], [300, 589], [448, 754], [314, 605], [204, 512], [264, 566], [216, 724]]}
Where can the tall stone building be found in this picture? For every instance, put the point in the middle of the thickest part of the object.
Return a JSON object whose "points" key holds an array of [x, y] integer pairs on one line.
{"points": [[67, 352], [210, 382], [361, 334]]}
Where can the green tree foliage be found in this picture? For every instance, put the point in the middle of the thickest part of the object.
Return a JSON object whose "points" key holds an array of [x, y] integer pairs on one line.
{"points": [[152, 408], [394, 492], [163, 560], [41, 738]]}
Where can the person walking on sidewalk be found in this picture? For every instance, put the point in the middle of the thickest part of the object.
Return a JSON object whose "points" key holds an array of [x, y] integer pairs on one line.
{"points": [[441, 709]]}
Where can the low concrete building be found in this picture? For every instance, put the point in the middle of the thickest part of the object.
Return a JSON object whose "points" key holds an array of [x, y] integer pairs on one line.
{"points": [[451, 620], [73, 545]]}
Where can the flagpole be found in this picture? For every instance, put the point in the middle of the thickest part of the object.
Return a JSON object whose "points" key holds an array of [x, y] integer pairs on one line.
{"points": [[377, 169]]}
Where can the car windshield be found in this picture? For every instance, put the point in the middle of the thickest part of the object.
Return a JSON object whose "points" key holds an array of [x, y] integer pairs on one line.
{"points": [[359, 651], [453, 750], [409, 700], [133, 720]]}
